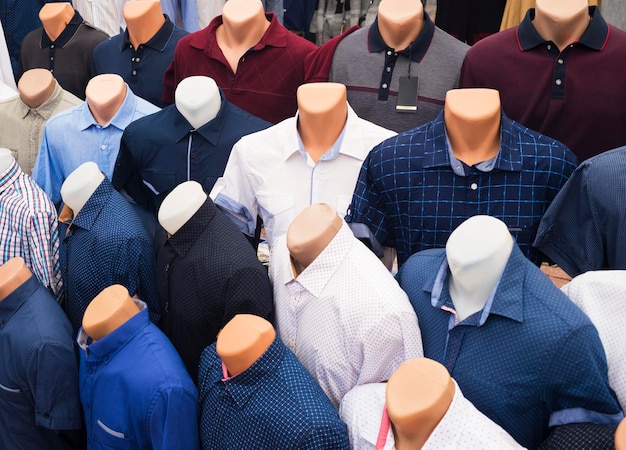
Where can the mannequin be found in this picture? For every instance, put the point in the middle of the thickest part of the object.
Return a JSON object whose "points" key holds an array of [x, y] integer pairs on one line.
{"points": [[400, 22], [620, 436], [55, 17], [6, 159], [515, 11], [80, 185], [105, 95], [143, 20], [36, 86], [180, 205], [13, 273], [198, 99], [111, 309], [561, 22]]}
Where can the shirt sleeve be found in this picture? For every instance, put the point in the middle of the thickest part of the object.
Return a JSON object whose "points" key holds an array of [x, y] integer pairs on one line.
{"points": [[329, 437], [47, 169], [173, 423], [126, 175], [170, 80], [43, 244]]}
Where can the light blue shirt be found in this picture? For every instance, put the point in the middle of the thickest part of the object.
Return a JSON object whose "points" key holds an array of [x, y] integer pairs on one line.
{"points": [[73, 137], [188, 13]]}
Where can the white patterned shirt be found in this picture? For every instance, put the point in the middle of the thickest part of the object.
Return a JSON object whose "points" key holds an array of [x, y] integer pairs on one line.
{"points": [[345, 317]]}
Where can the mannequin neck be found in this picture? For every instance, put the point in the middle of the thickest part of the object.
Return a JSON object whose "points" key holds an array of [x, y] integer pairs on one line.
{"points": [[13, 274], [108, 311], [400, 22], [105, 95], [143, 20], [181, 205], [243, 341], [80, 185], [36, 86], [198, 100], [6, 160], [55, 17], [561, 22]]}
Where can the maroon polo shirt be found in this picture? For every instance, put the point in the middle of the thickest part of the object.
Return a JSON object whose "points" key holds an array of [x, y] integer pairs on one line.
{"points": [[267, 76], [577, 95]]}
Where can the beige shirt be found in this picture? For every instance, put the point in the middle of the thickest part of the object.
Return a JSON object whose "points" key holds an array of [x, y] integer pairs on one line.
{"points": [[21, 128]]}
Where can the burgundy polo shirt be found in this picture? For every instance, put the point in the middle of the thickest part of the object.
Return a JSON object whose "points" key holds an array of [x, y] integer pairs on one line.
{"points": [[267, 76], [577, 95]]}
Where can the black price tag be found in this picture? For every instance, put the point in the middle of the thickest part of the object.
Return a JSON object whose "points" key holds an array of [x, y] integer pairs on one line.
{"points": [[407, 95]]}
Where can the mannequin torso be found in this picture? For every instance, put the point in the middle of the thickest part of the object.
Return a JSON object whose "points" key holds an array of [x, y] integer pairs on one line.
{"points": [[55, 17], [6, 159], [105, 94], [198, 100], [80, 185], [143, 20], [35, 87], [400, 22], [108, 311], [561, 22], [180, 205], [13, 274]]}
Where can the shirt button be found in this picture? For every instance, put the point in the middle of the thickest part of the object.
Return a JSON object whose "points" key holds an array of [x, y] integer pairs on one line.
{"points": [[384, 86], [388, 52], [137, 59], [134, 72], [388, 69], [474, 186], [86, 405], [52, 58], [103, 147], [52, 46], [558, 82], [549, 47], [46, 415], [560, 61]]}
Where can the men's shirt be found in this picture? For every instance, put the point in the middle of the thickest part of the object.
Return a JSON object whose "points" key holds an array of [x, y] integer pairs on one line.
{"points": [[29, 228], [207, 273], [39, 373], [267, 78], [141, 68], [580, 435], [368, 327], [160, 151], [583, 229], [529, 360], [135, 391], [576, 95], [274, 404], [333, 18], [411, 198], [21, 127], [209, 9], [6, 70], [68, 57], [270, 174], [462, 427], [73, 137], [105, 244]]}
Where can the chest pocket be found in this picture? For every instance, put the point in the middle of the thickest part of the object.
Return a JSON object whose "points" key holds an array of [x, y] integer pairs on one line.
{"points": [[22, 412], [157, 181], [107, 438]]}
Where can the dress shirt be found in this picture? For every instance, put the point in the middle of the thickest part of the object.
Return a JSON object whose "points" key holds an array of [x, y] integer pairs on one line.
{"points": [[29, 227], [410, 197], [462, 427], [141, 68], [274, 404], [68, 57], [561, 94], [209, 9], [6, 70], [73, 137], [529, 360], [270, 174], [268, 75], [580, 435], [583, 229], [21, 128], [162, 150], [368, 327], [135, 391], [207, 273], [39, 373]]}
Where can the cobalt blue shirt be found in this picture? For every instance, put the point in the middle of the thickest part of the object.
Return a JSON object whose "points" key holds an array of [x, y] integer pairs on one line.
{"points": [[39, 371], [135, 391], [411, 199], [159, 152], [105, 244], [142, 68], [529, 360], [275, 404]]}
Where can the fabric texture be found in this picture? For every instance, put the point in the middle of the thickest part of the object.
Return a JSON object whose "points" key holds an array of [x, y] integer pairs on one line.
{"points": [[580, 435], [332, 18], [6, 69]]}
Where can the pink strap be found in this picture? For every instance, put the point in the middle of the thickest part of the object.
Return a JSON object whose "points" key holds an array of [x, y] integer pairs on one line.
{"points": [[381, 440], [225, 372]]}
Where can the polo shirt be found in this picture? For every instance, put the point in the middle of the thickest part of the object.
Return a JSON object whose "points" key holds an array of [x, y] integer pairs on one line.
{"points": [[162, 150], [39, 371], [562, 94], [68, 57], [135, 391], [73, 137], [529, 360], [411, 199], [142, 68], [267, 78], [105, 244], [207, 273], [274, 404], [270, 174], [470, 20], [583, 229]]}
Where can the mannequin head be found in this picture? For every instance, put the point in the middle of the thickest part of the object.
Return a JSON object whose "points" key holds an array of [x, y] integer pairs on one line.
{"points": [[35, 87], [400, 22], [143, 20], [108, 311], [620, 436], [13, 274], [6, 159], [562, 22], [105, 94], [561, 10], [239, 11], [180, 205], [55, 17], [198, 100], [80, 185]]}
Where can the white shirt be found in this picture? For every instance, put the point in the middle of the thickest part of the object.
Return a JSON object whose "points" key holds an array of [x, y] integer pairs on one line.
{"points": [[6, 92], [345, 317], [6, 70], [270, 175], [463, 427], [602, 296]]}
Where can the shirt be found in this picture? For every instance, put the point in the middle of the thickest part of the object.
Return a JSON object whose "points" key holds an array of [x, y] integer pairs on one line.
{"points": [[333, 17], [470, 21], [208, 9], [160, 151], [560, 94], [270, 174], [73, 137], [68, 57], [6, 70], [105, 244], [135, 391], [267, 78], [141, 68], [411, 199], [580, 435], [368, 327], [39, 373], [29, 227], [583, 229], [462, 427], [274, 404], [207, 273], [529, 360], [21, 128]]}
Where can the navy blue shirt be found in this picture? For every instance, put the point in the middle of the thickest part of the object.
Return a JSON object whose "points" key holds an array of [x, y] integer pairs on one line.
{"points": [[529, 360], [142, 68], [39, 371], [274, 404], [105, 244], [160, 151], [411, 199]]}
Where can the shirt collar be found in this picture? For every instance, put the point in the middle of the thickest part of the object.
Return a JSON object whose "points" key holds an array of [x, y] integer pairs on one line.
{"points": [[15, 300], [159, 41], [88, 214], [595, 36], [9, 176], [122, 118], [210, 131], [186, 236], [47, 108], [418, 47], [110, 345], [65, 35]]}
